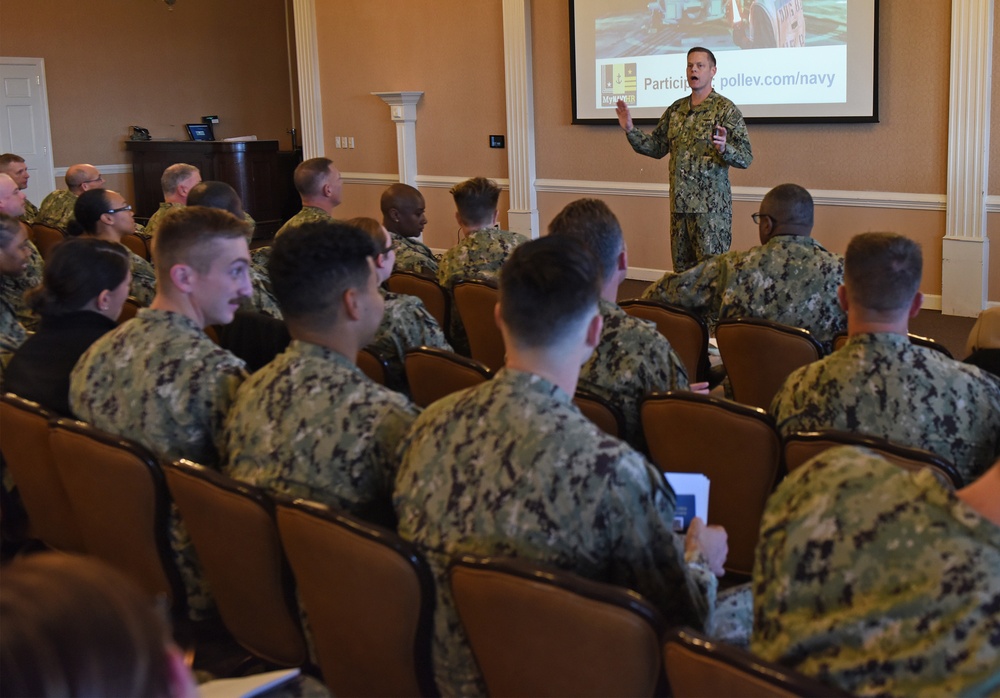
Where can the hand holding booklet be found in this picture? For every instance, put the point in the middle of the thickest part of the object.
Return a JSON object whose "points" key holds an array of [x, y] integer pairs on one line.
{"points": [[692, 497]]}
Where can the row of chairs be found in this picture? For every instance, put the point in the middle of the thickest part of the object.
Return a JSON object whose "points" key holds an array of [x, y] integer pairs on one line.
{"points": [[369, 595], [46, 237]]}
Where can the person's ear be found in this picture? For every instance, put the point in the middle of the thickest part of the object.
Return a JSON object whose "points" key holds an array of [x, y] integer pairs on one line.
{"points": [[104, 300], [594, 328], [183, 277], [916, 305], [842, 297], [351, 305]]}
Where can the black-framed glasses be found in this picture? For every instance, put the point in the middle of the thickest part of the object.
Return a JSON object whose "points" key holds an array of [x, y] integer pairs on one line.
{"points": [[757, 216], [100, 178], [126, 207]]}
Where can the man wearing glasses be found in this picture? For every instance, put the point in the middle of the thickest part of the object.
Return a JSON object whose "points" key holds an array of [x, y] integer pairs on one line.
{"points": [[790, 278], [56, 210]]}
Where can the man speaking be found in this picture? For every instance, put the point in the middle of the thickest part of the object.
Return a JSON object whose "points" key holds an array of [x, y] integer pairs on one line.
{"points": [[704, 134]]}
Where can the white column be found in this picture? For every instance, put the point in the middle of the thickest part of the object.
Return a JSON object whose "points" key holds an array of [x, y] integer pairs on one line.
{"points": [[403, 110], [523, 214], [965, 252], [307, 59]]}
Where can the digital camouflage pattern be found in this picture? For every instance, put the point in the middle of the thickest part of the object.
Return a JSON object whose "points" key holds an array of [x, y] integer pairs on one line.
{"points": [[789, 279], [511, 467], [262, 299], [413, 255], [878, 580], [308, 214], [143, 287], [406, 324], [154, 222], [12, 332], [632, 359], [882, 385], [30, 212], [310, 424], [56, 210], [160, 381], [259, 259], [699, 174], [479, 256], [13, 288]]}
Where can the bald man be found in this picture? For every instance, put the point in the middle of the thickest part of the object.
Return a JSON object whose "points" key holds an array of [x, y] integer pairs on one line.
{"points": [[57, 208], [403, 216]]}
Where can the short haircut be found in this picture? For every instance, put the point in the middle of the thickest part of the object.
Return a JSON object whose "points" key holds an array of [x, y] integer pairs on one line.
{"points": [[592, 223], [397, 195], [73, 625], [77, 270], [174, 175], [310, 175], [791, 204], [87, 211], [9, 228], [313, 264], [8, 159], [75, 176], [216, 195], [476, 199], [372, 229], [882, 271], [186, 235], [547, 286], [702, 49]]}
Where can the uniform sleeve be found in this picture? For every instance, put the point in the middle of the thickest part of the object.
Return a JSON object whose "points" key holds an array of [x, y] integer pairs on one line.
{"points": [[698, 289], [655, 144], [738, 152], [231, 375], [143, 281]]}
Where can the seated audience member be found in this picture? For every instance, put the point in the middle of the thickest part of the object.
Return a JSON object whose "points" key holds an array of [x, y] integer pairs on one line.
{"points": [[74, 626], [789, 279], [511, 467], [403, 216], [56, 210], [83, 290], [221, 195], [14, 286], [319, 185], [406, 323], [311, 424], [632, 358], [882, 385], [105, 215], [15, 167], [158, 379], [176, 181], [14, 254], [483, 248], [879, 580], [983, 346]]}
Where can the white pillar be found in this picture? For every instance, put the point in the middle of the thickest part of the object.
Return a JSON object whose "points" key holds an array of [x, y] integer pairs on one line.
{"points": [[965, 252], [307, 59], [403, 110], [523, 214]]}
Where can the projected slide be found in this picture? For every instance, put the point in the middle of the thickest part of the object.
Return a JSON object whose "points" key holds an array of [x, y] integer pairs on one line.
{"points": [[777, 59]]}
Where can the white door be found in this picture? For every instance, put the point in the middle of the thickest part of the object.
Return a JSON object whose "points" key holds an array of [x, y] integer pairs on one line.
{"points": [[24, 110]]}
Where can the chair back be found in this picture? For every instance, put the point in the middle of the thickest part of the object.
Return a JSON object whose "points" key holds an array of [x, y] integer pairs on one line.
{"points": [[735, 446], [686, 331], [760, 354], [474, 303], [542, 632], [130, 309], [24, 442], [433, 373], [601, 412], [234, 532], [373, 364], [805, 445], [698, 667], [121, 503], [137, 244], [425, 288], [368, 597], [45, 238], [841, 339]]}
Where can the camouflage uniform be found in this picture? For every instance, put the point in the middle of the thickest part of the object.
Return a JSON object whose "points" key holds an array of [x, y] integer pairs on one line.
{"points": [[413, 255], [701, 205], [262, 300], [308, 214], [12, 333], [878, 580], [406, 324], [143, 287], [511, 467], [632, 359], [13, 288], [789, 279], [311, 424], [57, 209], [159, 380], [882, 385], [479, 256], [30, 212]]}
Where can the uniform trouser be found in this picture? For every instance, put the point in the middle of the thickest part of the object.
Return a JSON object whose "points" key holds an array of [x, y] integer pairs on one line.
{"points": [[694, 237]]}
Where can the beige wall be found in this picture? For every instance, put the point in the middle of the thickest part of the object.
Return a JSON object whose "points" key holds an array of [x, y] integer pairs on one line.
{"points": [[110, 64]]}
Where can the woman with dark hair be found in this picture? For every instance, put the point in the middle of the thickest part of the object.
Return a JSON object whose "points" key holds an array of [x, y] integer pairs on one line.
{"points": [[84, 286], [104, 214], [73, 626]]}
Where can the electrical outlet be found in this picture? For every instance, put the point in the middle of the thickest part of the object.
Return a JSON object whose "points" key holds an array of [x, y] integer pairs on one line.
{"points": [[350, 142], [336, 142]]}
